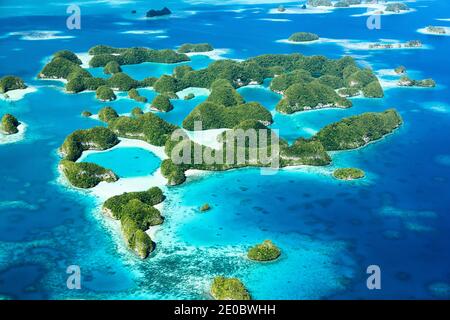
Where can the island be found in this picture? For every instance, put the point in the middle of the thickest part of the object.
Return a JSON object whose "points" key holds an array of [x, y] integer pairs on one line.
{"points": [[396, 7], [8, 83], [357, 131], [162, 103], [136, 112], [134, 94], [86, 114], [200, 47], [136, 213], [86, 175], [104, 93], [399, 45], [304, 81], [9, 124], [228, 289], [347, 3], [436, 30], [97, 138], [158, 13], [107, 114], [400, 70], [281, 8], [303, 37], [205, 207], [112, 67], [319, 3], [189, 96], [405, 81], [348, 173], [266, 251]]}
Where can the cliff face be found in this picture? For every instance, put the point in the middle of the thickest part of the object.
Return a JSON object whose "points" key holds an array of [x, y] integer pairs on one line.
{"points": [[158, 13]]}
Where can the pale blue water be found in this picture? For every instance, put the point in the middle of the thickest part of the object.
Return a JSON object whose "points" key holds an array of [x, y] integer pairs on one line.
{"points": [[126, 162], [329, 231]]}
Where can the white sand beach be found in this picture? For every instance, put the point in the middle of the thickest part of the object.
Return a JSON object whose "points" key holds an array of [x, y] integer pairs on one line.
{"points": [[425, 31], [13, 138], [216, 54], [18, 94]]}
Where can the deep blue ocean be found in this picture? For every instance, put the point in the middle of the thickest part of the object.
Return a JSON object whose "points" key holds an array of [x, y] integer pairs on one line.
{"points": [[330, 231]]}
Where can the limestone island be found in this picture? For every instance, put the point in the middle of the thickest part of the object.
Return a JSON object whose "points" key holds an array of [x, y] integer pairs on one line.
{"points": [[112, 67], [205, 207], [400, 70], [396, 7], [136, 214], [86, 114], [303, 37], [8, 83], [266, 251], [319, 3], [86, 175], [229, 289], [294, 75], [405, 81], [134, 94], [189, 96], [436, 30], [158, 13], [104, 93], [348, 173], [162, 103], [9, 124], [409, 44], [200, 47], [346, 3]]}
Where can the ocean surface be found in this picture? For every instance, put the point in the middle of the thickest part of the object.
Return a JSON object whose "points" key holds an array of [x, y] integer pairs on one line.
{"points": [[330, 231]]}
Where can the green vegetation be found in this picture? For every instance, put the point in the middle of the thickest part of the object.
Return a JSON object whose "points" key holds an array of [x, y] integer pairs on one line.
{"points": [[102, 55], [436, 30], [86, 114], [223, 93], [302, 96], [284, 81], [68, 55], [229, 289], [136, 212], [9, 124], [359, 130], [348, 173], [107, 114], [104, 93], [304, 152], [112, 67], [373, 90], [303, 37], [400, 70], [97, 138], [215, 116], [172, 172], [265, 251], [86, 175], [405, 81], [61, 67], [346, 3], [319, 3], [136, 112], [201, 47], [396, 7], [115, 206], [166, 84], [134, 94], [162, 103], [121, 81], [205, 207], [8, 83], [148, 127], [190, 96]]}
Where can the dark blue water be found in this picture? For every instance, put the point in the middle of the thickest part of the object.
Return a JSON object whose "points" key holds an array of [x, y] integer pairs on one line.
{"points": [[329, 231]]}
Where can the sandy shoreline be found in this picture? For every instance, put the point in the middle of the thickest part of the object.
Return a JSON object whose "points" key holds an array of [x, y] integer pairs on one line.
{"points": [[425, 31], [216, 54], [16, 137], [18, 94]]}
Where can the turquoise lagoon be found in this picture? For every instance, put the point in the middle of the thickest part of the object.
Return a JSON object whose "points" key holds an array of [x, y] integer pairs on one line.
{"points": [[329, 230]]}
